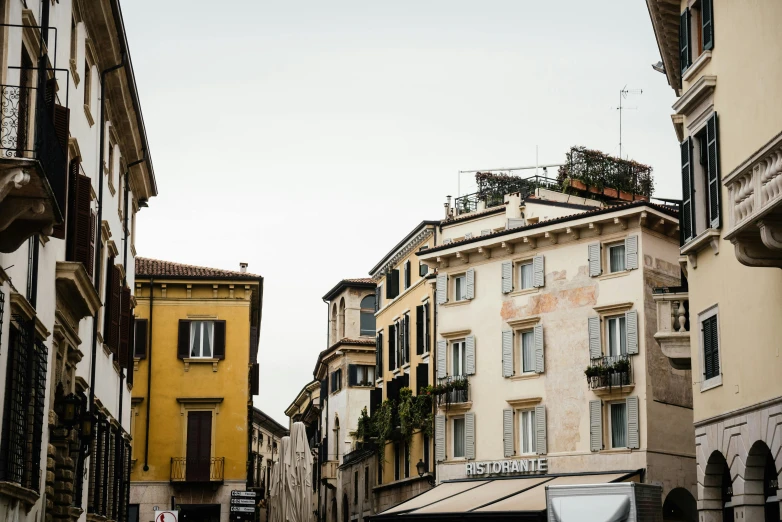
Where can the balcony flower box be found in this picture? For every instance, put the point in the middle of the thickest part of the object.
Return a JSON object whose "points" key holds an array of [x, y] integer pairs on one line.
{"points": [[610, 192]]}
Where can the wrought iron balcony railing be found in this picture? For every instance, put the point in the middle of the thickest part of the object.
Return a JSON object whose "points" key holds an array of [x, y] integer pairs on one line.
{"points": [[362, 450], [609, 371], [190, 469], [456, 390]]}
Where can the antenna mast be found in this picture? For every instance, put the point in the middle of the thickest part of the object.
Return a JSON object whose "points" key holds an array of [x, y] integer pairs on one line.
{"points": [[622, 96]]}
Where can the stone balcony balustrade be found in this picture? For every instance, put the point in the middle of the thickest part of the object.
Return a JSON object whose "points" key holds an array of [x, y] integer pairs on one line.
{"points": [[673, 325]]}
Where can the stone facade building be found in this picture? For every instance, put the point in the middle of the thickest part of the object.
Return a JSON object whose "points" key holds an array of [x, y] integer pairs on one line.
{"points": [[264, 452], [722, 60], [75, 171]]}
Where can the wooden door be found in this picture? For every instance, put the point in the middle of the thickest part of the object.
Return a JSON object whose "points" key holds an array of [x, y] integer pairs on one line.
{"points": [[199, 446]]}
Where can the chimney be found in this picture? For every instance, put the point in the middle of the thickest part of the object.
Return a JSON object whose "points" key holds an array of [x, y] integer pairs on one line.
{"points": [[243, 267], [447, 207]]}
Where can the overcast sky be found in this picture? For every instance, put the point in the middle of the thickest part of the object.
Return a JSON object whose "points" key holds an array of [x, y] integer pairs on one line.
{"points": [[308, 137]]}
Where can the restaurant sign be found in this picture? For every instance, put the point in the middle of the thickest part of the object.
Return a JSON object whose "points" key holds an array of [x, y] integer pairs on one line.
{"points": [[515, 466]]}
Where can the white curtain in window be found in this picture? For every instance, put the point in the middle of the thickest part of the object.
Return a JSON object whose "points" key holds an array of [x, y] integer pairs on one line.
{"points": [[528, 431], [617, 258], [619, 425], [458, 437], [526, 276], [456, 358], [528, 352]]}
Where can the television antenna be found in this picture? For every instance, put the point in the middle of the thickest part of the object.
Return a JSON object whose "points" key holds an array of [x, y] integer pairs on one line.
{"points": [[623, 93]]}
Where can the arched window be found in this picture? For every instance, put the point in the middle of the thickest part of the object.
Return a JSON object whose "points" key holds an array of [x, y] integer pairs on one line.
{"points": [[334, 323], [368, 315], [342, 318], [336, 438]]}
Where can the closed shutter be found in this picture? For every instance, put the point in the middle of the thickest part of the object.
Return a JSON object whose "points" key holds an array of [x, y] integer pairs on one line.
{"points": [[442, 346], [507, 277], [421, 376], [540, 361], [391, 347], [255, 379], [633, 434], [91, 245], [124, 336], [688, 192], [407, 338], [684, 40], [469, 355], [407, 274], [419, 329], [377, 298], [713, 172], [183, 342], [595, 425], [352, 375], [593, 326], [80, 228], [324, 387], [507, 432], [595, 263], [140, 339], [439, 438], [540, 430], [219, 333], [427, 338], [469, 436], [711, 355], [68, 210], [538, 272], [392, 283], [442, 289], [631, 253], [631, 323], [58, 178], [379, 354], [112, 312], [253, 343], [707, 24], [470, 278], [507, 353]]}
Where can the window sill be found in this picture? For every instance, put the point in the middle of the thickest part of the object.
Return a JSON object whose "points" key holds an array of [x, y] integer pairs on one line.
{"points": [[74, 72], [613, 275], [13, 490], [457, 303], [616, 450], [714, 382], [525, 291], [710, 236], [525, 376], [696, 66], [190, 361], [88, 114]]}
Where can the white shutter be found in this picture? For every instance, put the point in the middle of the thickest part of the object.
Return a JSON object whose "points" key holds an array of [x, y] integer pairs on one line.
{"points": [[507, 277], [507, 353], [595, 425], [442, 346], [515, 223], [632, 423], [442, 289], [631, 323], [595, 264], [470, 278], [469, 355], [540, 430], [439, 438], [540, 364], [595, 350], [507, 432], [469, 436], [538, 273], [631, 253]]}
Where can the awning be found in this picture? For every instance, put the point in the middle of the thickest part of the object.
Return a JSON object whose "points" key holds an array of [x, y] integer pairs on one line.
{"points": [[500, 497]]}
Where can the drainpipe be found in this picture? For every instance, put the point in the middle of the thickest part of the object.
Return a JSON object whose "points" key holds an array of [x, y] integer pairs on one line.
{"points": [[99, 243], [149, 373]]}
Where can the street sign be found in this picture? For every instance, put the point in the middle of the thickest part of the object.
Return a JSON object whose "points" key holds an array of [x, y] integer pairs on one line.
{"points": [[249, 501], [166, 516], [242, 509], [236, 493], [243, 505]]}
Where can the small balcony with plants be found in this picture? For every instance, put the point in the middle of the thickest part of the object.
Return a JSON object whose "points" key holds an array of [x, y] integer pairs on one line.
{"points": [[610, 374], [673, 325], [451, 392], [591, 173]]}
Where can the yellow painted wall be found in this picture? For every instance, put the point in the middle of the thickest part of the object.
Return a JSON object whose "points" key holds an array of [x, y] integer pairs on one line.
{"points": [[170, 381]]}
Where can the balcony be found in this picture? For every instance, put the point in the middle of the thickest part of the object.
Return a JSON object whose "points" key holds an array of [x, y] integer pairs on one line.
{"points": [[673, 325], [453, 392], [754, 207], [189, 470], [328, 472], [33, 161], [610, 374]]}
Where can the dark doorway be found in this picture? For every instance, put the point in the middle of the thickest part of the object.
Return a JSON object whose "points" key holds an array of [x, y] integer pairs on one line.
{"points": [[199, 446], [770, 486], [680, 506], [199, 512]]}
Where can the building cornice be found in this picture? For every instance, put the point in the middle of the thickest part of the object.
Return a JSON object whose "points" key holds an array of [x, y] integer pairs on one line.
{"points": [[404, 247]]}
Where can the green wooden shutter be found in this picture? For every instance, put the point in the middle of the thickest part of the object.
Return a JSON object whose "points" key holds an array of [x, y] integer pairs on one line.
{"points": [[713, 172], [419, 329], [391, 347], [219, 339], [707, 24], [684, 41], [183, 342], [507, 353], [711, 356], [688, 192]]}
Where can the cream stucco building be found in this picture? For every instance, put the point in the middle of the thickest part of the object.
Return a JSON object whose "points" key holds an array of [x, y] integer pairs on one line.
{"points": [[724, 61], [529, 299]]}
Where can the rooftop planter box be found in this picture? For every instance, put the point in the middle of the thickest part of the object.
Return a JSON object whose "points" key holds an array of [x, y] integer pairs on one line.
{"points": [[597, 171]]}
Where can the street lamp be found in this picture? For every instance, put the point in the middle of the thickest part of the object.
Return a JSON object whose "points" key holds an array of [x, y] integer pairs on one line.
{"points": [[422, 471]]}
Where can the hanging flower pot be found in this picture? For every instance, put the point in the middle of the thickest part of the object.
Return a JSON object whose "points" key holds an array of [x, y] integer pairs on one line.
{"points": [[610, 192]]}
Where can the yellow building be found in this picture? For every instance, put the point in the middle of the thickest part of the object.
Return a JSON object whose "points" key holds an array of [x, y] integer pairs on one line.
{"points": [[724, 61], [405, 328], [197, 329]]}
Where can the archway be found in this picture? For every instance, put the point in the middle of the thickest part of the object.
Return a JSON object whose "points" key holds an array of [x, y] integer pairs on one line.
{"points": [[333, 509], [717, 488], [680, 506], [345, 515], [342, 318], [761, 479]]}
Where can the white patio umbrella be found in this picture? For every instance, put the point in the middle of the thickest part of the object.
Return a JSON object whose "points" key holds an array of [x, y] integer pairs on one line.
{"points": [[299, 464], [277, 491]]}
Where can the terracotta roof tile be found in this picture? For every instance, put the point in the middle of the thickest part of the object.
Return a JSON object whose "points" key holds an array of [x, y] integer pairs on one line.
{"points": [[146, 267]]}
